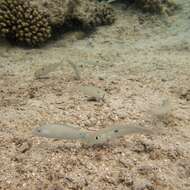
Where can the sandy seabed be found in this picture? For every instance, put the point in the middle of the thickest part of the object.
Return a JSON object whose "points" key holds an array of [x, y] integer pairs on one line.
{"points": [[139, 61]]}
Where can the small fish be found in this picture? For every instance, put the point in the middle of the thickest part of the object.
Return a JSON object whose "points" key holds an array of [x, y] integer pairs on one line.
{"points": [[111, 1], [93, 93], [75, 69], [45, 70], [161, 111], [64, 131], [116, 131], [70, 132], [164, 108]]}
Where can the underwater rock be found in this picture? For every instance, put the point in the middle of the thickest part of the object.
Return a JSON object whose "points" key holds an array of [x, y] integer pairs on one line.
{"points": [[22, 22]]}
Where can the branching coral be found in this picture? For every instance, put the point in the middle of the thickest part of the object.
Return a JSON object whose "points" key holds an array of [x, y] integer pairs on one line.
{"points": [[91, 14], [31, 22], [87, 13], [22, 22]]}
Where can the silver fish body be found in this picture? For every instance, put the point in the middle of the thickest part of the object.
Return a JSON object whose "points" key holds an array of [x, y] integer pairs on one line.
{"points": [[45, 70], [116, 131], [70, 132], [56, 131], [93, 93], [75, 69]]}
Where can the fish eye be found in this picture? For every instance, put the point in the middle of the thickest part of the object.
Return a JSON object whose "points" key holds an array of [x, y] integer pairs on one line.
{"points": [[116, 130], [38, 130], [96, 137]]}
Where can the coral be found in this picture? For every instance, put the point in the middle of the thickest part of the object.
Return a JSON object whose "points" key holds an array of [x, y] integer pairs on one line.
{"points": [[156, 6], [58, 10], [152, 6], [85, 13], [91, 14], [31, 22], [24, 23]]}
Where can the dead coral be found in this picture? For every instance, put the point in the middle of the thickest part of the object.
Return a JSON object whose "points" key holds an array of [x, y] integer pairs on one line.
{"points": [[22, 22]]}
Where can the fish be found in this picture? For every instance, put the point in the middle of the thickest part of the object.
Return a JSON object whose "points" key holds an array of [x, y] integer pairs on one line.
{"points": [[160, 113], [93, 93], [164, 109], [111, 1], [115, 131], [45, 70], [60, 131], [75, 69], [70, 132]]}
